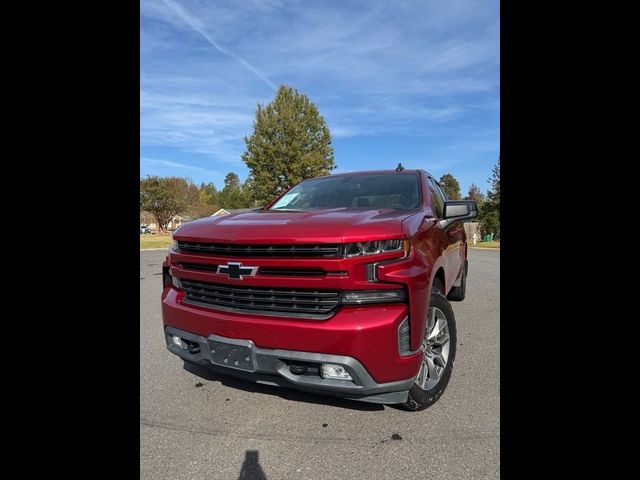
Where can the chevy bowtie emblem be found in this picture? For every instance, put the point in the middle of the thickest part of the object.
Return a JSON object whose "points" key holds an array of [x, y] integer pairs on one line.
{"points": [[235, 270]]}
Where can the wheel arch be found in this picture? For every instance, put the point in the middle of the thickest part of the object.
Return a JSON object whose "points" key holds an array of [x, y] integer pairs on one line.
{"points": [[439, 275]]}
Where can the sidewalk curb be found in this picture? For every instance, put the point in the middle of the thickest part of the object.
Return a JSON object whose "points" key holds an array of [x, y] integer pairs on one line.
{"points": [[485, 248]]}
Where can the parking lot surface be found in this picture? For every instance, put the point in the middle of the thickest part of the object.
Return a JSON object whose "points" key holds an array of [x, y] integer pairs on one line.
{"points": [[200, 425]]}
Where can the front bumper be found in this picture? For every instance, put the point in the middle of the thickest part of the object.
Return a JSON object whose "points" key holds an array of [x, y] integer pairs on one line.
{"points": [[272, 367], [368, 334]]}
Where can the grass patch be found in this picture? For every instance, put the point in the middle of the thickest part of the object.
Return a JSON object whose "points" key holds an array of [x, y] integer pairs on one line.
{"points": [[495, 244], [148, 241]]}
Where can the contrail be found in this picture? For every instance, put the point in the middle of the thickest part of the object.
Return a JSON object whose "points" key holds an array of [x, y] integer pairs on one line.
{"points": [[195, 24]]}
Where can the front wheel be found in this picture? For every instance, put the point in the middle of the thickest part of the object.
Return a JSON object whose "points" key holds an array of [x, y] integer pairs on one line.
{"points": [[439, 350]]}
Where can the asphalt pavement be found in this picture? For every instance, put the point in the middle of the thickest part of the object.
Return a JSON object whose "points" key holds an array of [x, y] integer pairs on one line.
{"points": [[200, 425]]}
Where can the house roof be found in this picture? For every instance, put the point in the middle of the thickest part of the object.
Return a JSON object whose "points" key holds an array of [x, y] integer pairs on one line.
{"points": [[225, 211]]}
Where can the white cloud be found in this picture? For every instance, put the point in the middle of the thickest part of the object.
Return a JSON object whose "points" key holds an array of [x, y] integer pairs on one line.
{"points": [[373, 68], [196, 25], [179, 165]]}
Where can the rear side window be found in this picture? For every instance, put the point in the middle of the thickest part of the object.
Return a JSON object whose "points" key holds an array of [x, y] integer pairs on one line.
{"points": [[437, 198]]}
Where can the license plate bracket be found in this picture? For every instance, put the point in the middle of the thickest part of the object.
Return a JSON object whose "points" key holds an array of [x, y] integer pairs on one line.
{"points": [[232, 353]]}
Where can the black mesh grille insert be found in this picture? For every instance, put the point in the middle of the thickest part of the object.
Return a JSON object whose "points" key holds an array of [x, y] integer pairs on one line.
{"points": [[404, 338], [262, 301]]}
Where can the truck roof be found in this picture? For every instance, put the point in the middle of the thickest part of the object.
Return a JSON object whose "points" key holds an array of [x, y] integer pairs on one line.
{"points": [[369, 172]]}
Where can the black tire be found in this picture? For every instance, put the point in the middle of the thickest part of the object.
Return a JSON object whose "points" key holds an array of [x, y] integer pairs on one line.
{"points": [[457, 294], [420, 399]]}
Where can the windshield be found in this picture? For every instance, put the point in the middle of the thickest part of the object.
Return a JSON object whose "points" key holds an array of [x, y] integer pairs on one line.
{"points": [[384, 190]]}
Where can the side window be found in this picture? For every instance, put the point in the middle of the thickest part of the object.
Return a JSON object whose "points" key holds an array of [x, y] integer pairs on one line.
{"points": [[436, 200]]}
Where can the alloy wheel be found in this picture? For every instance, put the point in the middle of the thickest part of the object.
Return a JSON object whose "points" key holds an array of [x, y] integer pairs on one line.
{"points": [[436, 349]]}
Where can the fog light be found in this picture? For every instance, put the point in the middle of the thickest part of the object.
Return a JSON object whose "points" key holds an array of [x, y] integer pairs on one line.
{"points": [[338, 372], [178, 342]]}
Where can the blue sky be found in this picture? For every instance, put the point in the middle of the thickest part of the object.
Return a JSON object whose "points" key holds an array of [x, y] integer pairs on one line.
{"points": [[415, 82]]}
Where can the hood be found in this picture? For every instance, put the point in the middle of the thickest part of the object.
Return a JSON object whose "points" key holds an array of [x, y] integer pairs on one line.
{"points": [[338, 225]]}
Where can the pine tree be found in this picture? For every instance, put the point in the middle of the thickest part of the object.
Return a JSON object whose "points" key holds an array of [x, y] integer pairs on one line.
{"points": [[450, 186], [290, 142]]}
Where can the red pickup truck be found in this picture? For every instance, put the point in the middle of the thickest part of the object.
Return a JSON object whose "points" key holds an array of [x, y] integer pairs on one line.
{"points": [[340, 287]]}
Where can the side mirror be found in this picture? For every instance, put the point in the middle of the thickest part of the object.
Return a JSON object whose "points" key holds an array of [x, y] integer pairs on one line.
{"points": [[458, 211]]}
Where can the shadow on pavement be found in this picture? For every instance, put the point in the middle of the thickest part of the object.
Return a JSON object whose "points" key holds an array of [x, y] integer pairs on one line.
{"points": [[282, 392], [251, 469]]}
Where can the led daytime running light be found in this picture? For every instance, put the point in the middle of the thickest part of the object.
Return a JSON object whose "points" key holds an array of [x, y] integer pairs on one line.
{"points": [[376, 247]]}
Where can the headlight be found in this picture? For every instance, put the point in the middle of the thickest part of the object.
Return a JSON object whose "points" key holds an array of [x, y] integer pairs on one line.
{"points": [[358, 297], [375, 247], [175, 246]]}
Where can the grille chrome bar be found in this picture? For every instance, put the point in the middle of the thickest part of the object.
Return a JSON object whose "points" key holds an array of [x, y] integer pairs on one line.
{"points": [[270, 271], [291, 272], [199, 267]]}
